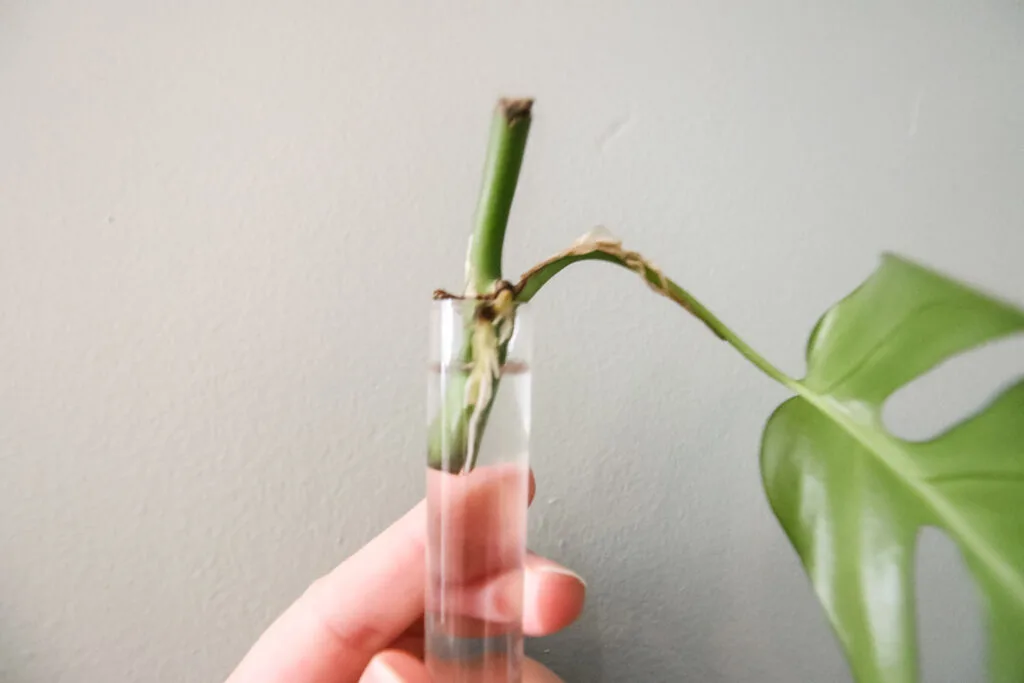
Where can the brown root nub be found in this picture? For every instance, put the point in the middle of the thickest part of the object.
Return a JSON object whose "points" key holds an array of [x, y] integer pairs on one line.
{"points": [[515, 109], [501, 286]]}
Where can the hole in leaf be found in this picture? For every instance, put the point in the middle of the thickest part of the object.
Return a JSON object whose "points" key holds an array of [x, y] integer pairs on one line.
{"points": [[951, 639], [954, 390]]}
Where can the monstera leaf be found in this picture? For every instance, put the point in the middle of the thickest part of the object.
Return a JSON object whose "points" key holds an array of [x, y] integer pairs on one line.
{"points": [[852, 497]]}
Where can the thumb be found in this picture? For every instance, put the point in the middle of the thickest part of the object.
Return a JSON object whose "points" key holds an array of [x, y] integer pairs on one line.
{"points": [[535, 672], [392, 666]]}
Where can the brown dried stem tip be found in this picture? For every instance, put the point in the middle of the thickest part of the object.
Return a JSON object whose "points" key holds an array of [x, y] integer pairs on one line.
{"points": [[515, 109]]}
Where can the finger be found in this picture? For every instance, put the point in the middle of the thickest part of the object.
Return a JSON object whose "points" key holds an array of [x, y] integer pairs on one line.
{"points": [[395, 667], [414, 645], [329, 634], [547, 595], [477, 523], [400, 667], [344, 618], [553, 596], [416, 629], [535, 672]]}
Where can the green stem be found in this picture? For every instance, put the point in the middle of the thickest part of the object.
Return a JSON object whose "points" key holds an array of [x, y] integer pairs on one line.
{"points": [[535, 279], [509, 130], [449, 444]]}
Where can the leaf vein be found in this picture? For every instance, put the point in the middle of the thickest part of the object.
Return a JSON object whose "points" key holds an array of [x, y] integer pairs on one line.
{"points": [[882, 344], [977, 476]]}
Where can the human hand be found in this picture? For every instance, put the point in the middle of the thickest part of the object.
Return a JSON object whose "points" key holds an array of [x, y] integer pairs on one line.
{"points": [[364, 621]]}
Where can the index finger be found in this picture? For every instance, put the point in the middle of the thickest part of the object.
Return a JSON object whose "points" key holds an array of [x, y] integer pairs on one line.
{"points": [[333, 630], [330, 633]]}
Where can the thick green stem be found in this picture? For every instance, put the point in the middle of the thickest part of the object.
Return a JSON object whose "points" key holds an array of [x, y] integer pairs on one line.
{"points": [[509, 130], [455, 435]]}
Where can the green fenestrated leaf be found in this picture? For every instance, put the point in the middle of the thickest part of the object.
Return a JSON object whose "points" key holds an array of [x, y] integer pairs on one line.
{"points": [[852, 497]]}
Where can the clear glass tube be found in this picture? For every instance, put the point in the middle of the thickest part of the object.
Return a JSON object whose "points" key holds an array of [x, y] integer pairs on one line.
{"points": [[476, 506]]}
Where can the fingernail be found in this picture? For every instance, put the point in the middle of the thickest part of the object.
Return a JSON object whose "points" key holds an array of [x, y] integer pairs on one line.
{"points": [[558, 569], [380, 672]]}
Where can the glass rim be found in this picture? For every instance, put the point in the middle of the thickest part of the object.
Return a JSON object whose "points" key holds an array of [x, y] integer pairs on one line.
{"points": [[464, 302], [450, 329]]}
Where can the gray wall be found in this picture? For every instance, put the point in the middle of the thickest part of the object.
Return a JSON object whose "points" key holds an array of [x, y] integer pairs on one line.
{"points": [[221, 223]]}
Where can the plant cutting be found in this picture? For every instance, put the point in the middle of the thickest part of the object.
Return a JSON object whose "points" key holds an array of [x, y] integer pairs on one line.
{"points": [[850, 496]]}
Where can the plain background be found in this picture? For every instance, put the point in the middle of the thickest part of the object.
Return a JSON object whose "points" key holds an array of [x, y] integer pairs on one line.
{"points": [[221, 224]]}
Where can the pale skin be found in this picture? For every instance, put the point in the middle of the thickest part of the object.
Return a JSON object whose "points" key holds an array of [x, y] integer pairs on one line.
{"points": [[363, 622]]}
